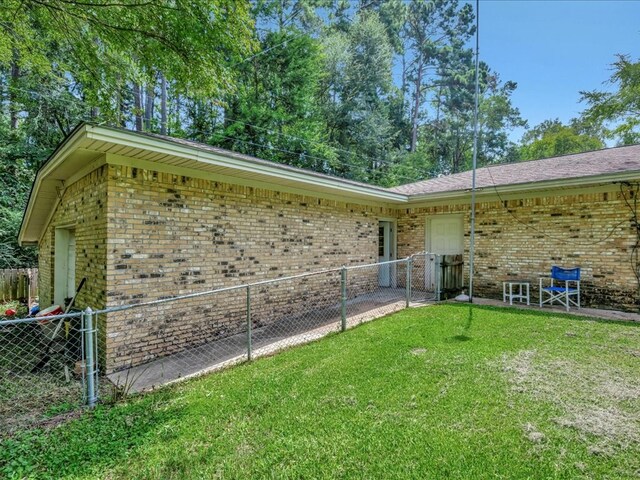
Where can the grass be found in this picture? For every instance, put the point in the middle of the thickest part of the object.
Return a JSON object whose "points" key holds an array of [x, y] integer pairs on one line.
{"points": [[446, 391]]}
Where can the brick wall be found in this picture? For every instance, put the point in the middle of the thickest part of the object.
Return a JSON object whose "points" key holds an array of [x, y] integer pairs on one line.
{"points": [[525, 237], [82, 208], [171, 235], [161, 235]]}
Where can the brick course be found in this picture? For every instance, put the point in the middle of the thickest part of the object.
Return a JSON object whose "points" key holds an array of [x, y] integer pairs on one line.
{"points": [[143, 235], [171, 235], [524, 237]]}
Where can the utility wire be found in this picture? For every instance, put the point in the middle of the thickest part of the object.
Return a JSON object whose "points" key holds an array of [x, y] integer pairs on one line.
{"points": [[542, 233], [330, 162]]}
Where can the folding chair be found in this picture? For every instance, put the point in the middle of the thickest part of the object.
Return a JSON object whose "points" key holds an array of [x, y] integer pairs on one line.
{"points": [[568, 286]]}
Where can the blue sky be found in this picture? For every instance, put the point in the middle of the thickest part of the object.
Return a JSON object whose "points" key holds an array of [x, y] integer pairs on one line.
{"points": [[554, 49]]}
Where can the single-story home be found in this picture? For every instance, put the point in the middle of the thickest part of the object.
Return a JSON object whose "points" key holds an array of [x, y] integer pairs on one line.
{"points": [[144, 216]]}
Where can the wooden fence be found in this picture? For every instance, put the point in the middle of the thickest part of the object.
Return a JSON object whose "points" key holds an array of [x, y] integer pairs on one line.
{"points": [[17, 283], [451, 275]]}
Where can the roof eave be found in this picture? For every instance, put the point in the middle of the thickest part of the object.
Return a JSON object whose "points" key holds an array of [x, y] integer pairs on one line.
{"points": [[306, 178], [527, 187], [55, 159]]}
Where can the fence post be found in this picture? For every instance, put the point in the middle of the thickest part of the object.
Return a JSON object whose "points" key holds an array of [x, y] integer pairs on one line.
{"points": [[438, 271], [89, 360], [408, 286], [343, 298], [249, 346]]}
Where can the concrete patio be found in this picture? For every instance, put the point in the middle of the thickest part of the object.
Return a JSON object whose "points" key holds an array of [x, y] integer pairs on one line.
{"points": [[582, 312], [283, 333]]}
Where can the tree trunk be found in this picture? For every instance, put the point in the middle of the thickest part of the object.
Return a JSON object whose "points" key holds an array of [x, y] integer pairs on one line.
{"points": [[13, 84], [149, 104], [416, 109], [163, 105], [137, 106], [455, 167], [404, 81]]}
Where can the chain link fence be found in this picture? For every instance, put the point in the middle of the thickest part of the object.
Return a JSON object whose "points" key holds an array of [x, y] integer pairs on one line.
{"points": [[48, 364], [45, 365]]}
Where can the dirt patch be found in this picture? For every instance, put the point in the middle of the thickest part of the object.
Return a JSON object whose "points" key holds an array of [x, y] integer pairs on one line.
{"points": [[418, 351], [532, 434], [595, 399]]}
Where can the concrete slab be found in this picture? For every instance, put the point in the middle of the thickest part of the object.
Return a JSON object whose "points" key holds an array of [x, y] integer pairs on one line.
{"points": [[284, 333], [583, 312]]}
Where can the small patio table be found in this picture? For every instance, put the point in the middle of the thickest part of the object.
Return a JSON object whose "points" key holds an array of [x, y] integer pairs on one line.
{"points": [[521, 292]]}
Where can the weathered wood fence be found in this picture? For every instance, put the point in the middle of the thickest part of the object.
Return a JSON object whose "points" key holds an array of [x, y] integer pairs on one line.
{"points": [[451, 275], [16, 283]]}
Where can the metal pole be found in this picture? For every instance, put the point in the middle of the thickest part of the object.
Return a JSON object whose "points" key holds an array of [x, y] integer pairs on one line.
{"points": [[475, 157], [438, 270], [409, 268], [249, 348], [343, 289], [90, 366]]}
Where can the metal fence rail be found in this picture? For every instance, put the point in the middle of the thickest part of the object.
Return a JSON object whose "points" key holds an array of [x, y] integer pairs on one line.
{"points": [[45, 367], [171, 339]]}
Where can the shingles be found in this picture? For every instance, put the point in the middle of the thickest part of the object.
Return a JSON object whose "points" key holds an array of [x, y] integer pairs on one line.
{"points": [[256, 160], [599, 162]]}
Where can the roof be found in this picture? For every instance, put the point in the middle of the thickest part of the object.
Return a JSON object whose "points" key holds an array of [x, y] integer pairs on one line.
{"points": [[90, 146], [255, 160], [598, 163]]}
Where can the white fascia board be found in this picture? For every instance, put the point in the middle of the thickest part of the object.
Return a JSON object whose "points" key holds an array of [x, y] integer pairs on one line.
{"points": [[210, 158], [528, 187], [58, 157]]}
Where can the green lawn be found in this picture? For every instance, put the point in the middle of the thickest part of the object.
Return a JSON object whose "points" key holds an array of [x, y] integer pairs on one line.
{"points": [[437, 392]]}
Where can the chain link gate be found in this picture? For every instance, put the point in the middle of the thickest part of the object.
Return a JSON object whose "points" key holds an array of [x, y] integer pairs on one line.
{"points": [[47, 366], [222, 327]]}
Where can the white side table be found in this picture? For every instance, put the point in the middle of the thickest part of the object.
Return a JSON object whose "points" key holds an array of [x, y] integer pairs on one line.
{"points": [[520, 292]]}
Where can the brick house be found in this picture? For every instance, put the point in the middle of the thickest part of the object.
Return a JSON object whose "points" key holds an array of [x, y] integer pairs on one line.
{"points": [[143, 216]]}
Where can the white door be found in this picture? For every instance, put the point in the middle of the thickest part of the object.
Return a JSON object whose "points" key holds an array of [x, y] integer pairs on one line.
{"points": [[71, 265], [64, 275], [445, 236], [385, 252]]}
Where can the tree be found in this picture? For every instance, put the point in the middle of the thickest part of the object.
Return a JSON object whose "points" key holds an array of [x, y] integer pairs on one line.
{"points": [[452, 137], [102, 45], [436, 32], [358, 90], [552, 138], [275, 114], [620, 108]]}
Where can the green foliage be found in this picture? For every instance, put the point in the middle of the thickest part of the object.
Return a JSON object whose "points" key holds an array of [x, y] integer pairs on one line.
{"points": [[358, 91], [103, 44], [17, 161], [446, 391], [551, 138], [275, 114], [620, 108], [63, 61]]}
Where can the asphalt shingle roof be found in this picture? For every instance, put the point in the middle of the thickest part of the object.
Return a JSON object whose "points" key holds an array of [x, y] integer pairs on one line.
{"points": [[599, 162]]}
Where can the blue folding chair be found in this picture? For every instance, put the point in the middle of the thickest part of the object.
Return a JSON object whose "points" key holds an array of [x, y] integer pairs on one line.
{"points": [[564, 287]]}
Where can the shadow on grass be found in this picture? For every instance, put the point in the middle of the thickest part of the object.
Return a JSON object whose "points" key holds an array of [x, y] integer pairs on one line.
{"points": [[464, 335], [541, 313]]}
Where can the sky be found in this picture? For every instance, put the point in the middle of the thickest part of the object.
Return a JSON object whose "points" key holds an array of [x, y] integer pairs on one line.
{"points": [[554, 49]]}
